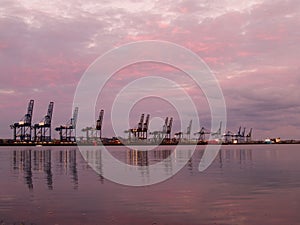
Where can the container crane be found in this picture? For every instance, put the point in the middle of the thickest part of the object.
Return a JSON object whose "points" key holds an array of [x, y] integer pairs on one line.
{"points": [[237, 136], [138, 132], [179, 136], [228, 136], [22, 130], [42, 130], [87, 130], [67, 131], [202, 133], [217, 134]]}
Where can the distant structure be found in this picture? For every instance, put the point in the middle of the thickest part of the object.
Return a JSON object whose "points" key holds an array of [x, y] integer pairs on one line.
{"points": [[42, 130], [67, 132], [22, 130]]}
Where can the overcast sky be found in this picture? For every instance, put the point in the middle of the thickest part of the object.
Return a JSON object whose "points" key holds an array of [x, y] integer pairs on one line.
{"points": [[252, 46]]}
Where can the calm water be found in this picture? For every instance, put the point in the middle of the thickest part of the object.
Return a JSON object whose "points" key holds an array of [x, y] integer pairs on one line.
{"points": [[244, 185]]}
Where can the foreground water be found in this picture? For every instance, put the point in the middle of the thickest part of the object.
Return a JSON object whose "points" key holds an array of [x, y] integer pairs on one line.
{"points": [[244, 185]]}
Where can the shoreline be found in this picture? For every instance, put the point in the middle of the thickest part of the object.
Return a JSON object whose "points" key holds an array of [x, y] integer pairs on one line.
{"points": [[38, 144]]}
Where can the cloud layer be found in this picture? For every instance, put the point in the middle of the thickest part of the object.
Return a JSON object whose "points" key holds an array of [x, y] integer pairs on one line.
{"points": [[251, 46]]}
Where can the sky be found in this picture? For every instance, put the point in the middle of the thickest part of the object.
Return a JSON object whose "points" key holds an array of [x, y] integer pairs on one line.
{"points": [[252, 47]]}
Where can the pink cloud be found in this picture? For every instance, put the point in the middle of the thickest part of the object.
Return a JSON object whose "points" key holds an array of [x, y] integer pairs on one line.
{"points": [[254, 52]]}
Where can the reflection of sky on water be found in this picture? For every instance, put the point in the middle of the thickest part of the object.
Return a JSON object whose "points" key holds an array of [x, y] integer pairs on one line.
{"points": [[244, 185]]}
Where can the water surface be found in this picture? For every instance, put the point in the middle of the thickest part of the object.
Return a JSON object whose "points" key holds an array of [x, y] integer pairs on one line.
{"points": [[251, 184]]}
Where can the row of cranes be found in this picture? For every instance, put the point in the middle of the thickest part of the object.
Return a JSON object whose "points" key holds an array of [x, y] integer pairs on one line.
{"points": [[25, 131], [239, 137], [228, 137], [141, 132], [22, 130], [164, 135]]}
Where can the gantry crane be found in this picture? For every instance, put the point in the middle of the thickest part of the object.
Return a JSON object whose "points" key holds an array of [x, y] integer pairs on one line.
{"points": [[179, 136], [240, 136], [202, 133], [136, 131], [68, 132], [217, 134], [99, 123], [141, 132], [237, 136], [228, 136], [42, 130], [87, 130], [22, 129]]}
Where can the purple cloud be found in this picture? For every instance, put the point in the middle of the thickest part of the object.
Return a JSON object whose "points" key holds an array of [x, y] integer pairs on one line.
{"points": [[252, 47]]}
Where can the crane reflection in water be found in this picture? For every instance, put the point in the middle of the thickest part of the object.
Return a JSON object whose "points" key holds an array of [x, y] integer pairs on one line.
{"points": [[51, 163], [33, 163]]}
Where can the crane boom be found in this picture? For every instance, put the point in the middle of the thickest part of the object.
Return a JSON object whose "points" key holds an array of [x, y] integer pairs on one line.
{"points": [[146, 124], [74, 118], [100, 120], [189, 128], [48, 117], [140, 125], [169, 128], [243, 133], [250, 133], [28, 116]]}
